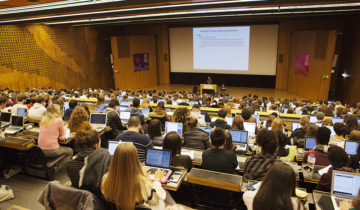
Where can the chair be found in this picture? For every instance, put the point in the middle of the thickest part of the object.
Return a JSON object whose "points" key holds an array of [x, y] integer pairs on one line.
{"points": [[35, 163]]}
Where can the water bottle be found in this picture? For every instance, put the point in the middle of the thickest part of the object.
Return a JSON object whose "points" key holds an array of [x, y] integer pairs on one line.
{"points": [[311, 160]]}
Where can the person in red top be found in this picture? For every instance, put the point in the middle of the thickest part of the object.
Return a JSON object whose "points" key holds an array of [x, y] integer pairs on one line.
{"points": [[320, 151]]}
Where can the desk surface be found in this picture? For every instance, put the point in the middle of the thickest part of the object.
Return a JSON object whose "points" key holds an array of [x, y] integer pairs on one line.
{"points": [[317, 196], [214, 179], [17, 143]]}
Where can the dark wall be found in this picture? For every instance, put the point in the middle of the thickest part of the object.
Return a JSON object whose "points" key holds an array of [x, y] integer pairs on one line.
{"points": [[237, 80]]}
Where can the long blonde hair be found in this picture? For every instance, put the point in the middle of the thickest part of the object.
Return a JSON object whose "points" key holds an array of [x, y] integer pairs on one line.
{"points": [[277, 125], [52, 112], [122, 184]]}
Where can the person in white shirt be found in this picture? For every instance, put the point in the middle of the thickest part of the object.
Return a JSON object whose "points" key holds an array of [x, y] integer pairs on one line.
{"points": [[38, 110], [195, 112], [276, 191], [21, 99], [3, 100]]}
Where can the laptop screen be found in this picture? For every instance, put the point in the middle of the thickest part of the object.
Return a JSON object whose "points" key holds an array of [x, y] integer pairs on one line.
{"points": [[145, 112], [173, 126], [5, 116], [124, 103], [295, 126], [351, 147], [335, 120], [239, 136], [158, 158], [257, 116], [97, 118], [310, 143], [207, 129], [114, 144], [332, 130], [22, 112], [313, 119], [229, 120], [125, 115], [250, 127], [203, 117], [17, 120], [345, 184]]}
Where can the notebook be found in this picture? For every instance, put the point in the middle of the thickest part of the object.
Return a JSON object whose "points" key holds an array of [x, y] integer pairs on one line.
{"points": [[125, 116], [229, 120], [22, 112], [173, 126], [207, 129], [344, 186], [351, 147], [310, 143], [17, 124], [158, 159], [98, 121], [5, 118]]}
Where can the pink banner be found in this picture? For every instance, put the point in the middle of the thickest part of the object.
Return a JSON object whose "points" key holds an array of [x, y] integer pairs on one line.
{"points": [[302, 64]]}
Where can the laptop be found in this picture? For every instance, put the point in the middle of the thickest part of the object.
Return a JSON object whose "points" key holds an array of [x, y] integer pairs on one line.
{"points": [[173, 126], [295, 126], [98, 121], [332, 130], [351, 147], [229, 120], [310, 143], [239, 138], [335, 120], [124, 103], [145, 112], [285, 110], [21, 112], [207, 129], [313, 119], [158, 159], [203, 116], [250, 127], [344, 187], [257, 116], [5, 118], [125, 116], [17, 124], [114, 144]]}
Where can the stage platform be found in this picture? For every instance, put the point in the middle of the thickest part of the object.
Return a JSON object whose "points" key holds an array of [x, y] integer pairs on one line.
{"points": [[237, 92]]}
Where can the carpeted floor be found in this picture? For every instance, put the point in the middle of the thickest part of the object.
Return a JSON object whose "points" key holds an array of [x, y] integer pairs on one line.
{"points": [[27, 190]]}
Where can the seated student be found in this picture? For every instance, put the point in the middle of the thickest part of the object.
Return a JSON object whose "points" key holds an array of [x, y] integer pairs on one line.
{"points": [[100, 106], [228, 141], [304, 127], [338, 139], [327, 122], [351, 124], [3, 100], [135, 110], [38, 110], [277, 127], [196, 113], [312, 131], [320, 117], [340, 161], [194, 137], [51, 131], [88, 166], [355, 159], [217, 158], [67, 113], [180, 115], [160, 109], [21, 99], [144, 191], [257, 165], [220, 120], [79, 120], [141, 141], [172, 142], [276, 191], [322, 141], [113, 119], [154, 132], [238, 123]]}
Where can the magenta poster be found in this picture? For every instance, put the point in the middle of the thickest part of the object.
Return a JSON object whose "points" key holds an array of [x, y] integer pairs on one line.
{"points": [[302, 66], [141, 62]]}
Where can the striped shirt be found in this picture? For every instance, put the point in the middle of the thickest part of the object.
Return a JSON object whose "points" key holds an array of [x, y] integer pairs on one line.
{"points": [[140, 141], [257, 166]]}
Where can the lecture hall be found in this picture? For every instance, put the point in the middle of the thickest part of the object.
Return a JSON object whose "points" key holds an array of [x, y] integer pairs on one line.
{"points": [[179, 104]]}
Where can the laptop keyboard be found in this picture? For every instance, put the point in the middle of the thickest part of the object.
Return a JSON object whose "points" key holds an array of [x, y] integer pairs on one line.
{"points": [[153, 170], [339, 200]]}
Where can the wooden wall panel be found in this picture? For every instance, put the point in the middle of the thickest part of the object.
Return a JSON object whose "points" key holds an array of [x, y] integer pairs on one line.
{"points": [[65, 57]]}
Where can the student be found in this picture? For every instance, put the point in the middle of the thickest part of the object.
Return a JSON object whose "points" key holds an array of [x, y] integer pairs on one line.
{"points": [[355, 159], [146, 104], [172, 142], [194, 137], [277, 127], [51, 131], [38, 110], [340, 161], [140, 190], [180, 115], [79, 120], [141, 141], [322, 141], [154, 132], [3, 100], [196, 113], [304, 127], [338, 139], [320, 117], [217, 158], [351, 124], [160, 109], [21, 99], [257, 165], [67, 113], [135, 110], [312, 131], [220, 120], [88, 166], [100, 106], [277, 190], [228, 141], [238, 123], [113, 119]]}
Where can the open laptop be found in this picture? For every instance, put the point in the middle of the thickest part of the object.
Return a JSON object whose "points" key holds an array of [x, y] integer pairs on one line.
{"points": [[124, 103], [98, 121], [336, 119], [114, 144], [331, 128], [17, 124], [173, 126], [229, 120], [344, 186], [125, 116], [295, 126], [351, 147], [22, 112], [145, 112], [158, 159], [207, 129], [5, 118], [310, 143], [250, 128], [239, 138], [313, 119]]}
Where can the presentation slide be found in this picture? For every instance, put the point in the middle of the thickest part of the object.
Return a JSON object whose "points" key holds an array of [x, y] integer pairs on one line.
{"points": [[248, 50]]}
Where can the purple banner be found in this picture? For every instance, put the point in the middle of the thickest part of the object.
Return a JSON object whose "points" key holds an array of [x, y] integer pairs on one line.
{"points": [[302, 66], [141, 62]]}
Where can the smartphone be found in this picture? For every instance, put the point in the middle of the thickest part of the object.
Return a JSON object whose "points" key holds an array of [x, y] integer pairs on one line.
{"points": [[176, 177]]}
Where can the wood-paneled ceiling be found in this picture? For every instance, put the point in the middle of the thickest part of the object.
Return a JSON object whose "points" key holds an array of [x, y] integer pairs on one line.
{"points": [[93, 12]]}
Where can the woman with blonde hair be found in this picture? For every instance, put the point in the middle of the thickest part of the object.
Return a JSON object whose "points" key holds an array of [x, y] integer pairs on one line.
{"points": [[79, 120], [126, 185], [304, 127], [145, 104], [238, 123], [277, 127], [51, 131], [100, 106]]}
